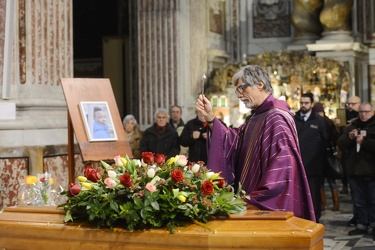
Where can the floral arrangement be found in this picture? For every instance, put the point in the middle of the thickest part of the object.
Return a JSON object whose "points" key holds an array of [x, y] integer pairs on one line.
{"points": [[150, 193]]}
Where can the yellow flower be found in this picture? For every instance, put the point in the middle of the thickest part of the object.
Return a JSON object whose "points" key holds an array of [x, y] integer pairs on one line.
{"points": [[172, 160], [123, 160], [31, 179], [87, 185], [182, 198], [51, 181], [82, 178]]}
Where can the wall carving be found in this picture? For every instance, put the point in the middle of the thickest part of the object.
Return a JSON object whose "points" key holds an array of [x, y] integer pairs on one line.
{"points": [[271, 18]]}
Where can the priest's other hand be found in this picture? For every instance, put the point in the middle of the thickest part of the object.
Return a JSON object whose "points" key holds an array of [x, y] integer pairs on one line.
{"points": [[204, 107]]}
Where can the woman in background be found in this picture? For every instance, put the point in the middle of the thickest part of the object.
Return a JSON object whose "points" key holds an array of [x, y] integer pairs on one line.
{"points": [[133, 135]]}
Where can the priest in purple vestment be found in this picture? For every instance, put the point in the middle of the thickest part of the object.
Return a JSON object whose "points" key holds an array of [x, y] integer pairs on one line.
{"points": [[263, 154]]}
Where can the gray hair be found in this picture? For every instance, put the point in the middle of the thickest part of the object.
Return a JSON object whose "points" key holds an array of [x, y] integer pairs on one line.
{"points": [[253, 75], [161, 111], [128, 118], [367, 103], [175, 106]]}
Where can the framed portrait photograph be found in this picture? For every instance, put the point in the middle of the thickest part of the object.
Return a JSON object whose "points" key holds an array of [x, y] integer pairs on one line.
{"points": [[98, 121]]}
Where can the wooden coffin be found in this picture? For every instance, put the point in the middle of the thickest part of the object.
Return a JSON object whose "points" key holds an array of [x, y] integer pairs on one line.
{"points": [[38, 228]]}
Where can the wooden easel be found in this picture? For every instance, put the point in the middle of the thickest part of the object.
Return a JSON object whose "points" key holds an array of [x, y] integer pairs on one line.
{"points": [[77, 90]]}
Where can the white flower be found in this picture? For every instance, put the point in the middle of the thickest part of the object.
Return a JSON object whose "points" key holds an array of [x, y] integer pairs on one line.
{"points": [[212, 175], [182, 160], [151, 173], [137, 162], [143, 163], [209, 174], [112, 174], [195, 168]]}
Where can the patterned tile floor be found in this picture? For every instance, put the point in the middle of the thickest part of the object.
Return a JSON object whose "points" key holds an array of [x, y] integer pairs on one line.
{"points": [[336, 229]]}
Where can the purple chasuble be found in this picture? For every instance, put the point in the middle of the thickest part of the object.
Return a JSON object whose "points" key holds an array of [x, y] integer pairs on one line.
{"points": [[264, 157]]}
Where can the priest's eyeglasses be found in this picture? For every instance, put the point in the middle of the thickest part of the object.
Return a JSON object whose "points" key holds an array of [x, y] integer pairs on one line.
{"points": [[239, 90]]}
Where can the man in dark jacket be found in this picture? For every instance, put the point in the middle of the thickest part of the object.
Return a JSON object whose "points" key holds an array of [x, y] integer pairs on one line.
{"points": [[358, 144], [175, 117], [313, 137], [161, 138], [194, 136], [351, 112]]}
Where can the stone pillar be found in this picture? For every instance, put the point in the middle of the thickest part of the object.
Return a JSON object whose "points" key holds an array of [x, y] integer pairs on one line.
{"points": [[42, 53], [335, 18], [172, 55], [305, 20]]}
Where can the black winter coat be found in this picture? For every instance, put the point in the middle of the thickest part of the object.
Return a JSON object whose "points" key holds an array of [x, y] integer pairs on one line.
{"points": [[161, 141], [313, 136], [197, 147], [360, 163]]}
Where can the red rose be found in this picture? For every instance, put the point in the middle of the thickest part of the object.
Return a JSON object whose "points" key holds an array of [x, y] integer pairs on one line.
{"points": [[126, 180], [208, 187], [92, 174], [74, 189], [147, 157], [221, 183], [160, 158], [177, 175]]}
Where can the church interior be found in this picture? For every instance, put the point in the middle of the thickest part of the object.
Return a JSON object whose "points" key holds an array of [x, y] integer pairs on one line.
{"points": [[154, 53]]}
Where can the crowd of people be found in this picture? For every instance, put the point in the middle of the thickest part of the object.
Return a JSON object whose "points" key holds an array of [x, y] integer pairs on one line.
{"points": [[169, 135], [280, 158]]}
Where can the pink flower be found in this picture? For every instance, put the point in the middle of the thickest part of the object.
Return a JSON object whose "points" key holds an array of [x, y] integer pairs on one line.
{"points": [[74, 189], [118, 161], [109, 183], [150, 187]]}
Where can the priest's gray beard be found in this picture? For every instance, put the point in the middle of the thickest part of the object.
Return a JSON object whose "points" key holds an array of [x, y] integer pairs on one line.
{"points": [[248, 103]]}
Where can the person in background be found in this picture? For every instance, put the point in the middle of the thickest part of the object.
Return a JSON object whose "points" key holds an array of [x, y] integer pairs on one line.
{"points": [[133, 135], [313, 138], [177, 123], [176, 113], [352, 107], [319, 109], [194, 136], [262, 155], [161, 138], [358, 144], [351, 112]]}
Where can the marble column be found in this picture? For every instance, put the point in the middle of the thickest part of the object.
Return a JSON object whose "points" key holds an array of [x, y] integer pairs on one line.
{"points": [[40, 40], [335, 18], [172, 55], [42, 53]]}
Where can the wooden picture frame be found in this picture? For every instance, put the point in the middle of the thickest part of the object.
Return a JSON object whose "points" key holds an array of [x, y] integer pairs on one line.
{"points": [[77, 90], [98, 121]]}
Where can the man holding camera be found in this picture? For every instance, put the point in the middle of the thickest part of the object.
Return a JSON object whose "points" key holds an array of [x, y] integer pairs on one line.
{"points": [[194, 136], [358, 144]]}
